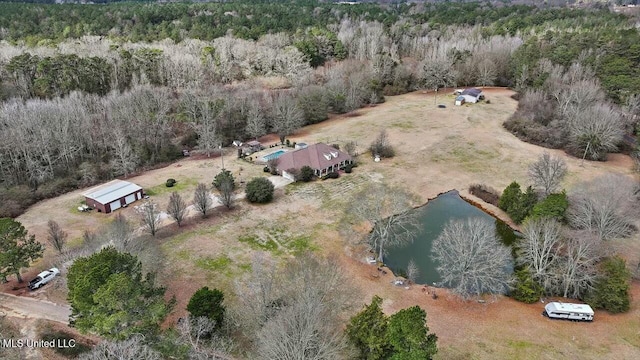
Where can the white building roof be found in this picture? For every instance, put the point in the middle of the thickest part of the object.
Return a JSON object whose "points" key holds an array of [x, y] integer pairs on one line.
{"points": [[112, 191], [567, 307]]}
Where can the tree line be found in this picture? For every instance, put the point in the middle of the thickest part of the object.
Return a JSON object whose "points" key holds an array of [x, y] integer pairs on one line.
{"points": [[565, 249], [181, 94]]}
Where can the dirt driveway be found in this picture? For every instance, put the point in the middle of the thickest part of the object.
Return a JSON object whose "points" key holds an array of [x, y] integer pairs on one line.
{"points": [[26, 307]]}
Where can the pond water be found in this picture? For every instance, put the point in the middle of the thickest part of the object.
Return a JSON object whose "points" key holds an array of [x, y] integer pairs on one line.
{"points": [[432, 218]]}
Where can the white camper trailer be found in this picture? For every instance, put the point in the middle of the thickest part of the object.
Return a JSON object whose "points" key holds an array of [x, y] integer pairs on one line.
{"points": [[558, 310]]}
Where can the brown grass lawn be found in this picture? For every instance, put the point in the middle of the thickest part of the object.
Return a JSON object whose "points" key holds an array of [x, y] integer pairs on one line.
{"points": [[437, 150]]}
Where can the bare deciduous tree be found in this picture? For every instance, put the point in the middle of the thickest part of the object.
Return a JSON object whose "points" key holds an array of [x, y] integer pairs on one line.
{"points": [[197, 333], [201, 199], [412, 271], [577, 269], [471, 259], [606, 206], [287, 116], [120, 233], [538, 250], [259, 295], [351, 148], [437, 74], [149, 216], [547, 172], [225, 192], [595, 131], [273, 164], [56, 236], [256, 121], [124, 160], [130, 349], [177, 208], [388, 212], [304, 324], [486, 72], [381, 146]]}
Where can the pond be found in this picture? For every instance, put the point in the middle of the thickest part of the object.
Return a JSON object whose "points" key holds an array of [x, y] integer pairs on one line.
{"points": [[432, 218]]}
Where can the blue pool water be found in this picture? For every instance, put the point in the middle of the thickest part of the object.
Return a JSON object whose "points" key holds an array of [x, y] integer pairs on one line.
{"points": [[273, 155]]}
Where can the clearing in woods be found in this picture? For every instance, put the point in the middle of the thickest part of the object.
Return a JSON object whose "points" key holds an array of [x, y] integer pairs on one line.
{"points": [[436, 150]]}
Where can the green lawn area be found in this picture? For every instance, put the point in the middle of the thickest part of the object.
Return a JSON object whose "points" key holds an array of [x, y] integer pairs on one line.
{"points": [[181, 184]]}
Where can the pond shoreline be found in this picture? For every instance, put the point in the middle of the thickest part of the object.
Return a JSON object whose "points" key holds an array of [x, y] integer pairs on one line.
{"points": [[479, 204], [487, 208]]}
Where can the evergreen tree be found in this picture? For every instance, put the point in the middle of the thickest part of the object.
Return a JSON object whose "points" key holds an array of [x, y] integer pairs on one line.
{"points": [[407, 333], [367, 332], [207, 303], [110, 296], [611, 290], [17, 248]]}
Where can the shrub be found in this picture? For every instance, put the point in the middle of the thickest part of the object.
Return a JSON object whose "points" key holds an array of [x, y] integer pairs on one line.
{"points": [[611, 290], [517, 204], [348, 168], [525, 288], [486, 193], [306, 173], [266, 169], [224, 175], [207, 303], [295, 172], [331, 175], [170, 182], [288, 142], [380, 146], [259, 190], [554, 205]]}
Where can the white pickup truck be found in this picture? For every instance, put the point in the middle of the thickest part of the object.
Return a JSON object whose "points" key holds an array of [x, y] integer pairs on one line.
{"points": [[43, 278]]}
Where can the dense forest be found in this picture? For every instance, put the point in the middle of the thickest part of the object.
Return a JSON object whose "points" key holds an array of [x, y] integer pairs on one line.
{"points": [[77, 80]]}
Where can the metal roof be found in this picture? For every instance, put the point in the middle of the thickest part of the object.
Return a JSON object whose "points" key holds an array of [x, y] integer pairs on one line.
{"points": [[112, 191], [473, 92]]}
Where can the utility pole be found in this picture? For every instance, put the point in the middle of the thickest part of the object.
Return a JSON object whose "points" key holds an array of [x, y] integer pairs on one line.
{"points": [[221, 156]]}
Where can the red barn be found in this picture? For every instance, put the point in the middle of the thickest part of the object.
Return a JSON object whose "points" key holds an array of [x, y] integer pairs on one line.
{"points": [[113, 195]]}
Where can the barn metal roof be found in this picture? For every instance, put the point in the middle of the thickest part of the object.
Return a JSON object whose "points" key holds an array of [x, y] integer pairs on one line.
{"points": [[112, 191]]}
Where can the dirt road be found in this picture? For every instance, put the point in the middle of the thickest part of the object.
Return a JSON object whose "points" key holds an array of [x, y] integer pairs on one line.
{"points": [[20, 306]]}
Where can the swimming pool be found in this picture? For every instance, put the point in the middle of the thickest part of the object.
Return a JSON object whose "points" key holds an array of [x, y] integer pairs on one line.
{"points": [[273, 155]]}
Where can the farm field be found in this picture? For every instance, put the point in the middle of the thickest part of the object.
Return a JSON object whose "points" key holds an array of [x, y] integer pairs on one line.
{"points": [[436, 150]]}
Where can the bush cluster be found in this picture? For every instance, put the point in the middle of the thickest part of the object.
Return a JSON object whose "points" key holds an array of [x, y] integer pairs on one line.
{"points": [[611, 290], [331, 175], [486, 193], [259, 190], [554, 206], [306, 174], [517, 204]]}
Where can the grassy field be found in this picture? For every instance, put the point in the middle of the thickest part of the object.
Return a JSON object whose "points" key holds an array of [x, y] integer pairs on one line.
{"points": [[437, 150]]}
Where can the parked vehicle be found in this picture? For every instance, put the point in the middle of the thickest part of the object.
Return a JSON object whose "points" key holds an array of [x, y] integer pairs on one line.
{"points": [[43, 278], [577, 312]]}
